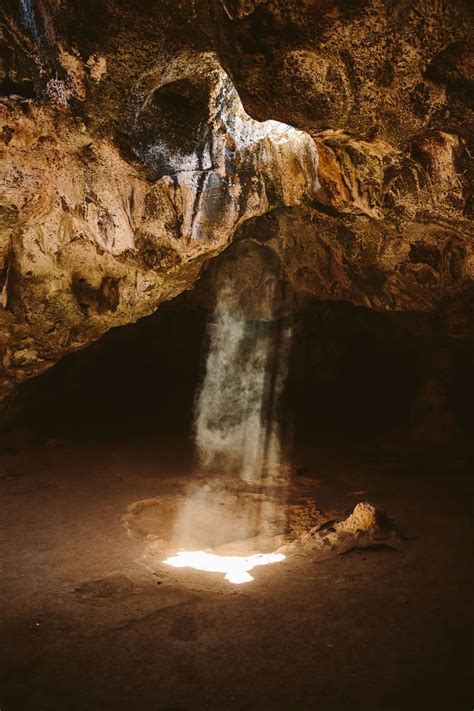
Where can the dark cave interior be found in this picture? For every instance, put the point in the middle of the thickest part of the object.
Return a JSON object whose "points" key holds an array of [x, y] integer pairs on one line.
{"points": [[379, 409], [354, 374]]}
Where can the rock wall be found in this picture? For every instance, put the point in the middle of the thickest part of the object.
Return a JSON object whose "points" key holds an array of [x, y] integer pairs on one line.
{"points": [[389, 68], [94, 237], [128, 161]]}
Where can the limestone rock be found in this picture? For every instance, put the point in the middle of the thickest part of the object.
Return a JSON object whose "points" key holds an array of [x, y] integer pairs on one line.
{"points": [[128, 161], [385, 89], [387, 229], [90, 241], [363, 519], [365, 527], [369, 67]]}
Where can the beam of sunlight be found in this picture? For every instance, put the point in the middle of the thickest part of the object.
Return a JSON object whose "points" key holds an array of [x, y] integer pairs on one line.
{"points": [[235, 567], [238, 438], [236, 426]]}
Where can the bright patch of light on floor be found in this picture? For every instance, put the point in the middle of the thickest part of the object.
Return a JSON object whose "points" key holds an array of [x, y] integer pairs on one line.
{"points": [[235, 567]]}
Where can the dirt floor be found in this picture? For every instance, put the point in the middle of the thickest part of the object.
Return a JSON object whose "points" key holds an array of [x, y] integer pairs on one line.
{"points": [[85, 626]]}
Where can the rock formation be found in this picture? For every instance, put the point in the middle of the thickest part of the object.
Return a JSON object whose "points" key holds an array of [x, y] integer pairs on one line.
{"points": [[128, 162], [385, 89]]}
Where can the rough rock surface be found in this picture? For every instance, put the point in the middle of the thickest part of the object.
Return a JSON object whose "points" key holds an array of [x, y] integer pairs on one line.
{"points": [[91, 240], [366, 527], [389, 68], [127, 161], [386, 90]]}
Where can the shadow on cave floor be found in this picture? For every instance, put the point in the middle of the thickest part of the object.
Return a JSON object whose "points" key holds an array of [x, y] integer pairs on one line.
{"points": [[378, 411]]}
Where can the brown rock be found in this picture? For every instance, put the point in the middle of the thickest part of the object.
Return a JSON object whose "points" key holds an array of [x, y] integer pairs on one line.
{"points": [[128, 162]]}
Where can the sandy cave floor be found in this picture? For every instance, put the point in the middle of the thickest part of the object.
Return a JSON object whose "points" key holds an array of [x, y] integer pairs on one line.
{"points": [[84, 626]]}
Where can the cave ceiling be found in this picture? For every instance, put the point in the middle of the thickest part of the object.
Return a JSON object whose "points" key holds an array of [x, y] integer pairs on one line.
{"points": [[138, 140]]}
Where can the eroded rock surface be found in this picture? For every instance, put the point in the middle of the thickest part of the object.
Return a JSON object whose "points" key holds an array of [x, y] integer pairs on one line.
{"points": [[385, 89], [371, 67], [128, 162], [91, 240], [387, 229], [365, 528]]}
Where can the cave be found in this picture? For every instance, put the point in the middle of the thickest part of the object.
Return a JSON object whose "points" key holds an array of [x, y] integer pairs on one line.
{"points": [[237, 355], [354, 375]]}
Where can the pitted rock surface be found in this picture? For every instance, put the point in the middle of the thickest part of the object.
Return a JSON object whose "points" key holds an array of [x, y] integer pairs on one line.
{"points": [[128, 162]]}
